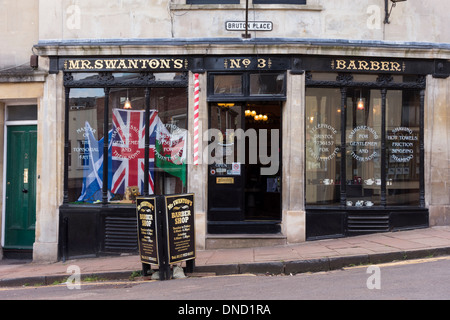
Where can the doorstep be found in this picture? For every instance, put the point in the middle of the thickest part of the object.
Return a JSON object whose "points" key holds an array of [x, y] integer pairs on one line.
{"points": [[233, 241]]}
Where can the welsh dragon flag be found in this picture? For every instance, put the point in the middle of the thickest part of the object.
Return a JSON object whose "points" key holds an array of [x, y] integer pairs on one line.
{"points": [[170, 150]]}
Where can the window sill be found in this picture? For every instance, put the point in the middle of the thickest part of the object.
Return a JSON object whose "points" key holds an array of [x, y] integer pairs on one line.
{"points": [[207, 7]]}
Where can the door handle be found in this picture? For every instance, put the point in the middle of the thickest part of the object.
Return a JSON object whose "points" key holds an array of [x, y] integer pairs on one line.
{"points": [[25, 175], [25, 191]]}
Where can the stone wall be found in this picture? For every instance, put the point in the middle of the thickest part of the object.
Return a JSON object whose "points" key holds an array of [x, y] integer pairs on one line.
{"points": [[437, 150], [411, 21]]}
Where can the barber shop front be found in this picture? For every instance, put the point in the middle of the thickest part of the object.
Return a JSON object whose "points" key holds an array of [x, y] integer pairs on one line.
{"points": [[292, 147]]}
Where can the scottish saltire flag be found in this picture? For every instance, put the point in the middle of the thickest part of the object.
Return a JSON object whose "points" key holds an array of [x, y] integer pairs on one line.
{"points": [[93, 174], [128, 150]]}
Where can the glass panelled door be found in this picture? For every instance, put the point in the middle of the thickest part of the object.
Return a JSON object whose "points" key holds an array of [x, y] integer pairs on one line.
{"points": [[225, 177], [244, 178]]}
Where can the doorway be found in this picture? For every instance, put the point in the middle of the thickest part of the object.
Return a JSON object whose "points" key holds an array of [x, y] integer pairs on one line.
{"points": [[244, 176], [20, 181]]}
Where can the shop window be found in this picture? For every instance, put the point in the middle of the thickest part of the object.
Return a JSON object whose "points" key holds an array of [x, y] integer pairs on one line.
{"points": [[86, 142], [270, 85], [403, 152], [279, 1], [238, 1], [228, 84], [212, 1], [125, 109], [363, 144], [323, 150], [363, 147], [266, 84]]}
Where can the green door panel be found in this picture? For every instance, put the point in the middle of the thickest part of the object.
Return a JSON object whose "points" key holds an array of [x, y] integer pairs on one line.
{"points": [[20, 201]]}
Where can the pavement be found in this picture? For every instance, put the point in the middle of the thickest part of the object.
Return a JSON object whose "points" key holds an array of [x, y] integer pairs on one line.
{"points": [[310, 256]]}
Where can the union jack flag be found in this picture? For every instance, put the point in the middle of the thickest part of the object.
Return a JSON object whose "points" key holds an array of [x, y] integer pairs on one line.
{"points": [[128, 149]]}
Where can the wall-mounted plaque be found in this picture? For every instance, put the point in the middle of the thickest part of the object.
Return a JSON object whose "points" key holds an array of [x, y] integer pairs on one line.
{"points": [[225, 180]]}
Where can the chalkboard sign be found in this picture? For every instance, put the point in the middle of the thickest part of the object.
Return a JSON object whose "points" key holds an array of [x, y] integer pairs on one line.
{"points": [[180, 227], [147, 230]]}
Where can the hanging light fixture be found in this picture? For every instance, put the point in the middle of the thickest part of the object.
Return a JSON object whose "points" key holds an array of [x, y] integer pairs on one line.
{"points": [[261, 117], [360, 105], [387, 11], [127, 104], [257, 117]]}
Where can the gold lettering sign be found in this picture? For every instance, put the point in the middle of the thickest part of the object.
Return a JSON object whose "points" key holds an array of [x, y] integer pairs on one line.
{"points": [[164, 64], [367, 65], [247, 63], [225, 180]]}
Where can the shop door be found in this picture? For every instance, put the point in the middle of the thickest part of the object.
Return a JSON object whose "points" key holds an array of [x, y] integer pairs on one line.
{"points": [[225, 182], [20, 201], [241, 197]]}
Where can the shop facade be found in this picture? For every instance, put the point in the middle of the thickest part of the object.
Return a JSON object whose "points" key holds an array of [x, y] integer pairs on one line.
{"points": [[293, 147], [317, 120]]}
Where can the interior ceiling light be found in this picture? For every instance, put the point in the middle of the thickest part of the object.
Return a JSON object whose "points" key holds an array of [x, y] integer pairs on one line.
{"points": [[127, 104]]}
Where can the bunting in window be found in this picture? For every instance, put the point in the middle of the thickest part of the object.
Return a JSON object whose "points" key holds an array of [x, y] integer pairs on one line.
{"points": [[128, 150]]}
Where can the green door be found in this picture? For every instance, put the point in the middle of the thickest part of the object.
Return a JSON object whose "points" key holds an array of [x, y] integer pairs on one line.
{"points": [[20, 202]]}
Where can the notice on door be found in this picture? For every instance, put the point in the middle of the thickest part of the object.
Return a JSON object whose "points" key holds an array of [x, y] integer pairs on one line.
{"points": [[147, 237], [180, 227]]}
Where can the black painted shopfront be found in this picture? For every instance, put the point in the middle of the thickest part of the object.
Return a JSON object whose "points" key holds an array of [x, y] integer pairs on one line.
{"points": [[364, 154], [364, 143]]}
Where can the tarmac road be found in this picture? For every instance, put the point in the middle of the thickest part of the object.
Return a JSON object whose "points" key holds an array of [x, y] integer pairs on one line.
{"points": [[424, 279]]}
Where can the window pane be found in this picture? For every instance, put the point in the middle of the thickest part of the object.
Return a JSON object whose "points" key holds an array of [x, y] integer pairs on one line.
{"points": [[84, 76], [22, 113], [227, 84], [323, 136], [226, 119], [171, 139], [403, 153], [279, 1], [86, 145], [212, 1], [167, 152], [363, 136], [261, 84]]}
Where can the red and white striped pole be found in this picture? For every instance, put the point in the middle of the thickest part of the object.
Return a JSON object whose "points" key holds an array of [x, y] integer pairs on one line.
{"points": [[196, 116]]}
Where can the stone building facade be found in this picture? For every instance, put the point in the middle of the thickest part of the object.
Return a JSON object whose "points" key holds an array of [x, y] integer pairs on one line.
{"points": [[354, 93]]}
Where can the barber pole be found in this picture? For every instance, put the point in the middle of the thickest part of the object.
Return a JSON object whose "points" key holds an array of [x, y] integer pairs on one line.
{"points": [[196, 116]]}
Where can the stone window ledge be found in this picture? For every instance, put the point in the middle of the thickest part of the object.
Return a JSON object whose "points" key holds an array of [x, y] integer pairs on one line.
{"points": [[261, 7]]}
